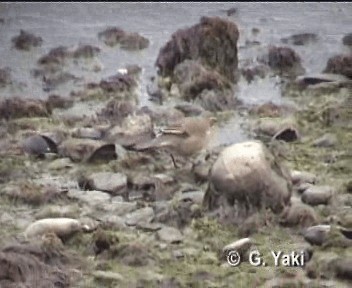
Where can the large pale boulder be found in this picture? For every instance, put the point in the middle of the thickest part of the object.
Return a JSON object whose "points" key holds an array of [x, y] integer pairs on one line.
{"points": [[248, 175]]}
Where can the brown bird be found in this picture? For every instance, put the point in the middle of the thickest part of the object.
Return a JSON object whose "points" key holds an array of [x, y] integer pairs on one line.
{"points": [[185, 138]]}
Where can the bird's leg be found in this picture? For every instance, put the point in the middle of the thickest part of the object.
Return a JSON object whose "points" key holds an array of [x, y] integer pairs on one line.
{"points": [[173, 161]]}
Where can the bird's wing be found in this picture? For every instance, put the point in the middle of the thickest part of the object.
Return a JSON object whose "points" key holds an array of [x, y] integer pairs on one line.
{"points": [[176, 129]]}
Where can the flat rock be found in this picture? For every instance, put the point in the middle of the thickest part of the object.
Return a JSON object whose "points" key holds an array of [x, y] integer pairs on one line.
{"points": [[59, 164], [120, 208], [141, 215], [149, 227], [92, 198], [170, 235], [87, 132], [194, 196], [299, 177], [317, 195], [113, 222], [343, 268], [316, 235], [113, 183], [327, 140]]}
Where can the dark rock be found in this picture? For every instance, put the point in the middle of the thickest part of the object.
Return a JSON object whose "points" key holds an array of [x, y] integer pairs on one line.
{"points": [[340, 64], [211, 90], [285, 61], [5, 76], [343, 268], [133, 41], [18, 108], [347, 39], [116, 110], [56, 101], [314, 79], [346, 232], [51, 81], [118, 83], [25, 41], [104, 153], [86, 51], [36, 145], [231, 11], [189, 109], [111, 36], [55, 56], [289, 134], [213, 42], [251, 73], [87, 150], [301, 39]]}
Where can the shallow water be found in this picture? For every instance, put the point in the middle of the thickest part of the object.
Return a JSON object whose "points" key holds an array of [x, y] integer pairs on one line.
{"points": [[70, 24]]}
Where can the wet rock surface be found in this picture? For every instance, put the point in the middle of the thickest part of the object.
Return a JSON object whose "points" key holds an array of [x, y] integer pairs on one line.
{"points": [[25, 41], [340, 64], [201, 45]]}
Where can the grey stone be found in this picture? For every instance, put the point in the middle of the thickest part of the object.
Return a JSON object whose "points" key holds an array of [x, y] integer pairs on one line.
{"points": [[299, 177], [35, 145], [87, 132], [141, 215], [316, 235], [113, 221], [61, 163], [194, 196], [92, 198], [327, 140], [170, 235], [317, 195], [113, 183]]}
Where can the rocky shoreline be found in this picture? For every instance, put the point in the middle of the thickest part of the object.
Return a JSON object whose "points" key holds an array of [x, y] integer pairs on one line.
{"points": [[81, 207]]}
